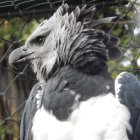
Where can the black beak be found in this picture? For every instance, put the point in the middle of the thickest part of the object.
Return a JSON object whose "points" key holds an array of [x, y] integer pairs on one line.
{"points": [[17, 56]]}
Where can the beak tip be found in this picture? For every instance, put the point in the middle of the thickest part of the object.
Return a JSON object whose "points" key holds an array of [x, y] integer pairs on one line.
{"points": [[14, 56], [10, 60]]}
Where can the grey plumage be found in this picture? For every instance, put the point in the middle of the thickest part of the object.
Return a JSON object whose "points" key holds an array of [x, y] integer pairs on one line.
{"points": [[69, 59], [28, 114], [128, 91]]}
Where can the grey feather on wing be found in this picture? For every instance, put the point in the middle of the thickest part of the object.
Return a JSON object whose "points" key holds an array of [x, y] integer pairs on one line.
{"points": [[27, 116], [128, 89]]}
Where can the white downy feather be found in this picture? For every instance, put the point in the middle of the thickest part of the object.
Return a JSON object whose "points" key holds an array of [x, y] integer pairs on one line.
{"points": [[99, 118]]}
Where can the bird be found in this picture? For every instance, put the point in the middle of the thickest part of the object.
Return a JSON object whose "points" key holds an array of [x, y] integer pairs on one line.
{"points": [[75, 97]]}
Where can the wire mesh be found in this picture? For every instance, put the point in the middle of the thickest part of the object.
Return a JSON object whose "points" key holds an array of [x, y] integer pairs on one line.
{"points": [[17, 83]]}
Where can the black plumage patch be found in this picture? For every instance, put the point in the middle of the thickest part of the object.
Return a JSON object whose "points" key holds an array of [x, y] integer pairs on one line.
{"points": [[58, 98], [69, 87]]}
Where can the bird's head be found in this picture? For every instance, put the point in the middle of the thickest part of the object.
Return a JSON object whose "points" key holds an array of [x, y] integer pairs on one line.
{"points": [[64, 39]]}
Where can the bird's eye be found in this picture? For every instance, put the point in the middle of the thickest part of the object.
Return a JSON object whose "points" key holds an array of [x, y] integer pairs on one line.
{"points": [[39, 40]]}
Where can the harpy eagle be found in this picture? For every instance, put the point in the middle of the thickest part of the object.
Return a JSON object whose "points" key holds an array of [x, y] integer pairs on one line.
{"points": [[75, 98]]}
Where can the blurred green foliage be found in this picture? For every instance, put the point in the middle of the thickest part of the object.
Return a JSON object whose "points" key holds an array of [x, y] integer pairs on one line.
{"points": [[10, 30]]}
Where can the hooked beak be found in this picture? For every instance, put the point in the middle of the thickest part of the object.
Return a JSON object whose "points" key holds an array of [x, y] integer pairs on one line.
{"points": [[17, 56]]}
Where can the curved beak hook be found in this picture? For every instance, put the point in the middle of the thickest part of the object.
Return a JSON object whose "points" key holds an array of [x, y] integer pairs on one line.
{"points": [[17, 56]]}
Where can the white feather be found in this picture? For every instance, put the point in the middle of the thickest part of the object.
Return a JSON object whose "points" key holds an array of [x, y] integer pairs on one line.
{"points": [[99, 118]]}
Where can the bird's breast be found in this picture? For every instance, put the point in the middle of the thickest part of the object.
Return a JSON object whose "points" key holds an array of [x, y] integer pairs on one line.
{"points": [[47, 127], [101, 117]]}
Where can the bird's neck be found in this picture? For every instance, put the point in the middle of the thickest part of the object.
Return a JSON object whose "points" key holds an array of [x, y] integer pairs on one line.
{"points": [[87, 70], [94, 84]]}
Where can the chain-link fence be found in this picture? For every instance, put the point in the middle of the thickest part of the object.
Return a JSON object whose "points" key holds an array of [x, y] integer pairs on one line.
{"points": [[17, 20]]}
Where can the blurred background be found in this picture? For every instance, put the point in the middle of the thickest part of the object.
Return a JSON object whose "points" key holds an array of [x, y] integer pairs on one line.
{"points": [[18, 18]]}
